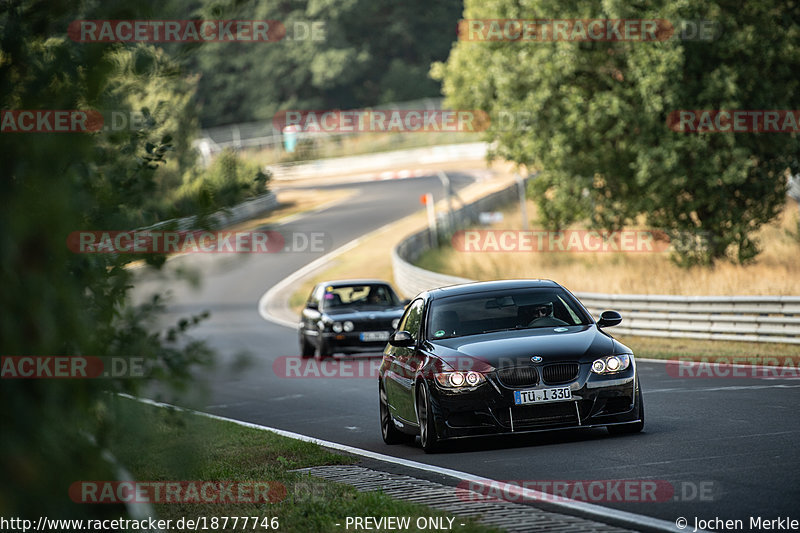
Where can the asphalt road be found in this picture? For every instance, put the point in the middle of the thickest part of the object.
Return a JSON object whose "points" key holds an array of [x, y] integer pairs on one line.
{"points": [[727, 446]]}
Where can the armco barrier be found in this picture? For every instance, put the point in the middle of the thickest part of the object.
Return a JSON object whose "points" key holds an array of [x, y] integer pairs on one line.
{"points": [[734, 318], [224, 217]]}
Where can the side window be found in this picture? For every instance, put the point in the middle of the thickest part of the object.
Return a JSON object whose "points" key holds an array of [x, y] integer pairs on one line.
{"points": [[413, 319], [572, 315]]}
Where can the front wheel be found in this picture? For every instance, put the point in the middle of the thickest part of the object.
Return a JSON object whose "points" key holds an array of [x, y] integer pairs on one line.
{"points": [[322, 351], [633, 427], [427, 428], [390, 434], [306, 348]]}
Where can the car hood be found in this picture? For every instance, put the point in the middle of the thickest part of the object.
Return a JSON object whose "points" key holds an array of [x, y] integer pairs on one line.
{"points": [[511, 348]]}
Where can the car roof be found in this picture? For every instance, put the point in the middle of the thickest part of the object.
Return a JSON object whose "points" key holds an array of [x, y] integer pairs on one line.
{"points": [[346, 282], [491, 286]]}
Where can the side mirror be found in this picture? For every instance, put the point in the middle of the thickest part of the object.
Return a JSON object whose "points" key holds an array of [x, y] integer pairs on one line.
{"points": [[402, 339], [312, 305], [608, 319]]}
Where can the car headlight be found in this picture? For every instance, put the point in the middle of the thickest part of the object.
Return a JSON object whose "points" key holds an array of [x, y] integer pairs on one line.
{"points": [[456, 380], [611, 364], [395, 323], [347, 326], [337, 327]]}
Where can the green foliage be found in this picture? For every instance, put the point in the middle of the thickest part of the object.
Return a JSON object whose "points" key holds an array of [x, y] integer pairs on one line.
{"points": [[226, 182], [593, 117], [371, 52], [56, 302]]}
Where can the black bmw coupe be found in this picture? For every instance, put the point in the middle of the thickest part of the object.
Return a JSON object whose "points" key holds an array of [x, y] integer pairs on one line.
{"points": [[349, 316], [504, 357]]}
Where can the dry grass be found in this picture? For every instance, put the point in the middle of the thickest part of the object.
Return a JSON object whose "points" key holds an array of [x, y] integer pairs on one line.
{"points": [[776, 271]]}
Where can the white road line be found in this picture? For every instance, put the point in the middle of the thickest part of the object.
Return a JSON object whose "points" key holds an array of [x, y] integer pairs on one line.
{"points": [[297, 275], [583, 509]]}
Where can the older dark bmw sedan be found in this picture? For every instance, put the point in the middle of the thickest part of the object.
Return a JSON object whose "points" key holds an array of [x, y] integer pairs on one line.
{"points": [[504, 357], [349, 316]]}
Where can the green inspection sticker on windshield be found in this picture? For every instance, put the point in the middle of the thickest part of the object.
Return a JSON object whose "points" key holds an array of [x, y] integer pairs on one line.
{"points": [[439, 333]]}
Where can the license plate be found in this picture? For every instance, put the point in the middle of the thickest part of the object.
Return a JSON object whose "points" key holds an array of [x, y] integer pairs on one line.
{"points": [[558, 394], [374, 336]]}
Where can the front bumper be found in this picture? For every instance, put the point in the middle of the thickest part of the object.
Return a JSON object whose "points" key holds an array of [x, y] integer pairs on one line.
{"points": [[489, 409], [350, 343]]}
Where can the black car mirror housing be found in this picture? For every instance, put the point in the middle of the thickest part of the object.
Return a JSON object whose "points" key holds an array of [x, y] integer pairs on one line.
{"points": [[608, 319], [401, 339]]}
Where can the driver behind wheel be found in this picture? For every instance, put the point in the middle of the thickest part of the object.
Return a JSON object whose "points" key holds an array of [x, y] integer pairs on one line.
{"points": [[539, 314]]}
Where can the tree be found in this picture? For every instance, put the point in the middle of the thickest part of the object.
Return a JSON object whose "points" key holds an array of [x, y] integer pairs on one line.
{"points": [[593, 116], [371, 52], [58, 303]]}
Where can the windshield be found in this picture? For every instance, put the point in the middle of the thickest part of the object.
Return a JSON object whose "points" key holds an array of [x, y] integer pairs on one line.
{"points": [[359, 296], [473, 314]]}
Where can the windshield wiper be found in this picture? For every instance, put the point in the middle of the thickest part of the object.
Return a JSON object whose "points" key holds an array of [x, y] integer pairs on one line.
{"points": [[501, 329]]}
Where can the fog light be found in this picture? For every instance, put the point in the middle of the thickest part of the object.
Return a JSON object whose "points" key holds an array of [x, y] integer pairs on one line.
{"points": [[598, 366], [473, 378], [612, 364], [337, 327], [456, 379], [348, 326]]}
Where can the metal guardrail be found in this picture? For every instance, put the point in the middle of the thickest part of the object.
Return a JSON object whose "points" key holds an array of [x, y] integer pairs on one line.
{"points": [[224, 217], [370, 162], [733, 318], [264, 134]]}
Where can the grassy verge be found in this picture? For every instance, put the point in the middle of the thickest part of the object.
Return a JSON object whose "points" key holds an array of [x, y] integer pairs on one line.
{"points": [[167, 445]]}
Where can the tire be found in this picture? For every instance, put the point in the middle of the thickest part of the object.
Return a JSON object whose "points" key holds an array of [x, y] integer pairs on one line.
{"points": [[633, 427], [306, 348], [390, 434], [427, 428], [321, 351]]}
